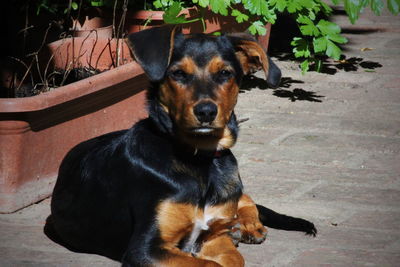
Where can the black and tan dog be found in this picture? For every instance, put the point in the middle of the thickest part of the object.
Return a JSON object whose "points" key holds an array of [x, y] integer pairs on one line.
{"points": [[167, 192]]}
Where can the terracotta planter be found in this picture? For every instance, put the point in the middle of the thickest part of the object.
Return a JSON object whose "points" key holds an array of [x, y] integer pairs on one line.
{"points": [[36, 132], [92, 20], [93, 51], [139, 20], [104, 32]]}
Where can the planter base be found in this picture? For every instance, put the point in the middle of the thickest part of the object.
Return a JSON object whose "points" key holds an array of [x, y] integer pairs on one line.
{"points": [[36, 132], [27, 194]]}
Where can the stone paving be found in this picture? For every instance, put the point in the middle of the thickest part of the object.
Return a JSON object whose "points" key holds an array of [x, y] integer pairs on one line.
{"points": [[324, 147]]}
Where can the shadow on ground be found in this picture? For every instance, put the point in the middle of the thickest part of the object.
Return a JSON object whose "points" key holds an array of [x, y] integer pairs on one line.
{"points": [[250, 82], [297, 94], [350, 64]]}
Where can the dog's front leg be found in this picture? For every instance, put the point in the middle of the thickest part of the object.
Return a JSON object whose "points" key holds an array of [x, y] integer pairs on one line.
{"points": [[251, 230]]}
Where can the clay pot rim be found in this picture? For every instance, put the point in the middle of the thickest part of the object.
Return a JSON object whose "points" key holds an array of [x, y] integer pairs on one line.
{"points": [[71, 91], [146, 14], [158, 15], [104, 30]]}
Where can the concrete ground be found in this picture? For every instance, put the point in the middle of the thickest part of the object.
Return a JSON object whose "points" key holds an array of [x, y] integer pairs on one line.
{"points": [[324, 146]]}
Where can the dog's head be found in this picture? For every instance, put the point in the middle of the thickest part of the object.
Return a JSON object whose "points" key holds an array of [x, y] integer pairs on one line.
{"points": [[197, 80]]}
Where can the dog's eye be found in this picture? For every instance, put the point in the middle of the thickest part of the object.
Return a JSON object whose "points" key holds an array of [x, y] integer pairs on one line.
{"points": [[178, 75], [225, 73], [223, 76]]}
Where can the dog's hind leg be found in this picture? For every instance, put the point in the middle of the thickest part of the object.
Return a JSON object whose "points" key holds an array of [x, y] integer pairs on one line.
{"points": [[222, 250]]}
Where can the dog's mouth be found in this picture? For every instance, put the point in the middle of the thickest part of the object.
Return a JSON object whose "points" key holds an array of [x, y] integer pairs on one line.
{"points": [[206, 137], [203, 130]]}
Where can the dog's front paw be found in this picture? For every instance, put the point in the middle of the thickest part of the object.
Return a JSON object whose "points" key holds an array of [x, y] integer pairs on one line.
{"points": [[250, 231]]}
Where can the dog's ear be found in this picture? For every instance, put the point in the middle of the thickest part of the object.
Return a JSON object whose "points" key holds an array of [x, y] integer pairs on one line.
{"points": [[152, 49], [252, 57]]}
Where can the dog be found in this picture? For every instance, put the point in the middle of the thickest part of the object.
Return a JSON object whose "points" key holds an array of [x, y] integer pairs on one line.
{"points": [[167, 192]]}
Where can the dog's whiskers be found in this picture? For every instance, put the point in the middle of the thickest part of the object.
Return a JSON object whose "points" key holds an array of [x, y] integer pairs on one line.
{"points": [[243, 120]]}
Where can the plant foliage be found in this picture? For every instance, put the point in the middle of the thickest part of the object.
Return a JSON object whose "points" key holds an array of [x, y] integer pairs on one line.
{"points": [[319, 38]]}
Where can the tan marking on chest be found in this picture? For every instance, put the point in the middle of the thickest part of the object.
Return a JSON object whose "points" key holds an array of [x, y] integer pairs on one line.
{"points": [[223, 211], [179, 220]]}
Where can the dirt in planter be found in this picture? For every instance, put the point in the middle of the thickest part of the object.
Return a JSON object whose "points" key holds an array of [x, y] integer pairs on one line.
{"points": [[57, 78], [62, 77]]}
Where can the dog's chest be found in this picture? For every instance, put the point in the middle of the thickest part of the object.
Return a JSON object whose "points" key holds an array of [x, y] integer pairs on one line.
{"points": [[215, 220], [214, 181], [183, 224], [207, 199]]}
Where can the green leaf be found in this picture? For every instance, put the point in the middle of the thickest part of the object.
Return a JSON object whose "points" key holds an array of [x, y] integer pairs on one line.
{"points": [[293, 6], [333, 50], [281, 5], [311, 15], [258, 7], [202, 3], [240, 17], [337, 38], [306, 3], [393, 6], [278, 4], [309, 28], [301, 47], [376, 6], [305, 66], [98, 3], [353, 9], [220, 6], [171, 15], [257, 27], [304, 20], [74, 5], [320, 44], [157, 4], [296, 41], [327, 27], [325, 8]]}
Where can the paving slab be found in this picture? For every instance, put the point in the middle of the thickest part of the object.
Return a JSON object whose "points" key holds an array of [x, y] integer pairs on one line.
{"points": [[323, 146]]}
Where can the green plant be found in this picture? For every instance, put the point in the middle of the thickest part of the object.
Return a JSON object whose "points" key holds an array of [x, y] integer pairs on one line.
{"points": [[319, 38], [355, 7], [60, 6]]}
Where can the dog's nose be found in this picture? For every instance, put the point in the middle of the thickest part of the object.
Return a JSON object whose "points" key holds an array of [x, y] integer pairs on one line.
{"points": [[205, 111]]}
